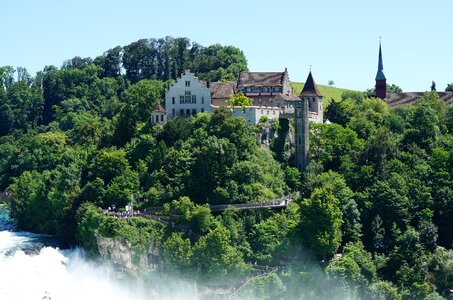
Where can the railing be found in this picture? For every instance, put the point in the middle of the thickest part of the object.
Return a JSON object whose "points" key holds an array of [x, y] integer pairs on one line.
{"points": [[276, 203]]}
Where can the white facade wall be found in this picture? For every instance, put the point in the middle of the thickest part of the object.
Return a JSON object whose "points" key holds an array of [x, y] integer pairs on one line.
{"points": [[252, 114], [187, 96]]}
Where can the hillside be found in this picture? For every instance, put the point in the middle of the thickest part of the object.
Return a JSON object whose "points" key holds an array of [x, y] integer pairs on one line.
{"points": [[327, 91]]}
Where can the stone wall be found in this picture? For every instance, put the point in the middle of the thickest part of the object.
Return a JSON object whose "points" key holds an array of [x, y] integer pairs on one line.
{"points": [[120, 252]]}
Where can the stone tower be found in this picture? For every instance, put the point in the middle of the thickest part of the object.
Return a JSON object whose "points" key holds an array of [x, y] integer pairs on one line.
{"points": [[381, 82], [309, 95]]}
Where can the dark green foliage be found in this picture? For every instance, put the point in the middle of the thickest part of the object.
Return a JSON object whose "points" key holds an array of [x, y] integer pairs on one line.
{"points": [[219, 261], [320, 223], [77, 139], [88, 219], [167, 58]]}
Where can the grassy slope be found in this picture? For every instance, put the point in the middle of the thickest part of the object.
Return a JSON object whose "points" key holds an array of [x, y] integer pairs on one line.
{"points": [[327, 91]]}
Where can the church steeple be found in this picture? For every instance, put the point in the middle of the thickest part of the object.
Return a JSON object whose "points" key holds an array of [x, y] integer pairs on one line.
{"points": [[381, 81]]}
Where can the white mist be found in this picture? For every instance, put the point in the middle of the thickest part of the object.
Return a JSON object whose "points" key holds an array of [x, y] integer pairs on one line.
{"points": [[64, 275]]}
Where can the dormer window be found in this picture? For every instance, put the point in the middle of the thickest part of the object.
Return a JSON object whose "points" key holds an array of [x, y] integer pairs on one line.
{"points": [[187, 83]]}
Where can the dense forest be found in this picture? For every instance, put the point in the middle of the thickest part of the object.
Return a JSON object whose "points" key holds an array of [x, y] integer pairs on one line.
{"points": [[371, 220]]}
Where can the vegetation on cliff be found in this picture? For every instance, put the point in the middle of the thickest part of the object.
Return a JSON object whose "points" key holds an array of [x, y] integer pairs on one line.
{"points": [[375, 208]]}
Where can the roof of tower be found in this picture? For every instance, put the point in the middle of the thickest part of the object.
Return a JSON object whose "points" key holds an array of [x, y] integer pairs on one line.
{"points": [[159, 108], [380, 73], [310, 89]]}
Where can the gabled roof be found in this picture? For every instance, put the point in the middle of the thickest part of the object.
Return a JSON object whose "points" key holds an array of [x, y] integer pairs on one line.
{"points": [[310, 89], [261, 78], [220, 90], [395, 99]]}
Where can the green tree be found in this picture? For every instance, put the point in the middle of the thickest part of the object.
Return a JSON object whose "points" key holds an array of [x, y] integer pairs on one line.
{"points": [[449, 87], [329, 143], [88, 218], [177, 253], [108, 164], [239, 99], [217, 258], [441, 269], [320, 223]]}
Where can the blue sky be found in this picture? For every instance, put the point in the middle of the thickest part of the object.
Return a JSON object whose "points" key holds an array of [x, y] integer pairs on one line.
{"points": [[340, 39]]}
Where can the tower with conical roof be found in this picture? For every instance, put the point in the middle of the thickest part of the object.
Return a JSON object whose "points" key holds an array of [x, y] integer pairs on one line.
{"points": [[381, 81], [310, 99]]}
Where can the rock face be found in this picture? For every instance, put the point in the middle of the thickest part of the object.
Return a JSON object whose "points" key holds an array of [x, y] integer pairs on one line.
{"points": [[120, 252]]}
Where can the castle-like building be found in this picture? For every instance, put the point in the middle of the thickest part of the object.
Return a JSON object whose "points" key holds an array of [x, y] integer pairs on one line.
{"points": [[271, 93], [395, 99]]}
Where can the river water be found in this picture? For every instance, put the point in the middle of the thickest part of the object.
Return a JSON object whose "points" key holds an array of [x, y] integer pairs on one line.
{"points": [[32, 267]]}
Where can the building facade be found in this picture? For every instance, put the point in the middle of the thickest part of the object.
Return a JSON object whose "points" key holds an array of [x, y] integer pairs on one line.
{"points": [[253, 114], [264, 87], [271, 94], [187, 97]]}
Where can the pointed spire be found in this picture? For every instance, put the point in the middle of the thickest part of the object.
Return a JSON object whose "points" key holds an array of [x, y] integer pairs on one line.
{"points": [[380, 73], [310, 89]]}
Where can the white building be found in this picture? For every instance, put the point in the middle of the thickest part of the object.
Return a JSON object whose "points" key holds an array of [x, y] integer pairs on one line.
{"points": [[187, 97], [253, 114], [158, 115]]}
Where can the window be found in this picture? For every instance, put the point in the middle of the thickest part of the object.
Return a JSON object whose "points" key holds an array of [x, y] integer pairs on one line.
{"points": [[181, 112], [173, 112], [187, 83], [248, 90], [194, 98], [194, 112], [172, 100], [202, 110], [188, 97], [161, 118], [276, 89], [157, 118], [181, 99], [202, 100], [265, 89], [188, 112], [255, 90]]}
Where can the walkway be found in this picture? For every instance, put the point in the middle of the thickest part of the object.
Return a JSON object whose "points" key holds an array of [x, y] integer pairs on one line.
{"points": [[275, 203]]}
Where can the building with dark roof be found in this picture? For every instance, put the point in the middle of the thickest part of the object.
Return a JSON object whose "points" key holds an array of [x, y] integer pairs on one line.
{"points": [[264, 87], [395, 99], [221, 92]]}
